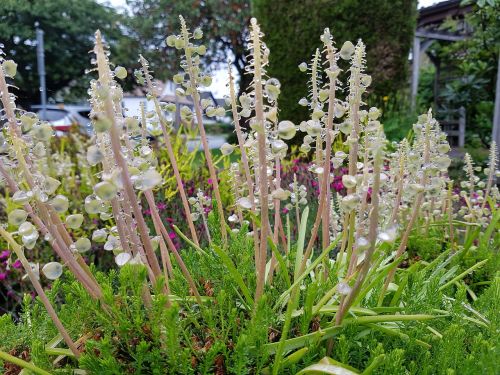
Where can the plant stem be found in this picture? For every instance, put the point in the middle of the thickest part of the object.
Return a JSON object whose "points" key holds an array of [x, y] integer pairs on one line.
{"points": [[39, 290], [263, 180], [199, 119], [23, 364], [170, 152]]}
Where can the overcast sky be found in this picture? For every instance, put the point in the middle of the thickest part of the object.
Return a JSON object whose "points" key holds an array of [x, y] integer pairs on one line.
{"points": [[218, 86]]}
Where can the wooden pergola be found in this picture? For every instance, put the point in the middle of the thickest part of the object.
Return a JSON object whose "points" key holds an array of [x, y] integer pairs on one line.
{"points": [[428, 31]]}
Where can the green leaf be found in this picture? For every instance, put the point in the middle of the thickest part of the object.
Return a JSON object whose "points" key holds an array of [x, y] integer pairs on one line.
{"points": [[25, 365], [233, 271]]}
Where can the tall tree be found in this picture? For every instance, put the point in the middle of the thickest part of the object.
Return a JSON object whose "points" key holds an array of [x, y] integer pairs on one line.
{"points": [[224, 23], [293, 29], [69, 27]]}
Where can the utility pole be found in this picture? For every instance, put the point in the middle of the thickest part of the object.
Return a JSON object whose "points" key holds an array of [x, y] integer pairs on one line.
{"points": [[40, 57]]}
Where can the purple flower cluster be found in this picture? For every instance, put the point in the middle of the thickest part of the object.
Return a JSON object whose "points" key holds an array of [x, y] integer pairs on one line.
{"points": [[5, 268]]}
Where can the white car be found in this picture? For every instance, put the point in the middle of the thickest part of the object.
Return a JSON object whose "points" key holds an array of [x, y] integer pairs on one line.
{"points": [[63, 117]]}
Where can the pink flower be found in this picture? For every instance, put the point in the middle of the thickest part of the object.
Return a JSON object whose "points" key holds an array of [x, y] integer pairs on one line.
{"points": [[17, 264], [172, 235], [338, 186], [285, 210], [147, 212], [210, 181], [161, 206], [170, 220], [3, 275], [4, 254]]}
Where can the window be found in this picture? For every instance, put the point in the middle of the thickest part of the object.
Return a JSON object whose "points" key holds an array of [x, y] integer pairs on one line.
{"points": [[52, 114]]}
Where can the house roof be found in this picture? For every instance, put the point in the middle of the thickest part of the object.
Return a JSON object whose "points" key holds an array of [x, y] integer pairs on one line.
{"points": [[437, 13]]}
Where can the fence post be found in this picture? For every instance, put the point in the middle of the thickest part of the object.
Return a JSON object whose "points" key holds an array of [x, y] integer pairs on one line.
{"points": [[461, 127]]}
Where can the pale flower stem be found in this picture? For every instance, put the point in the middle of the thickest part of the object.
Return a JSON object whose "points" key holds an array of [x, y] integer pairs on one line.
{"points": [[170, 152], [399, 194], [416, 209], [205, 225], [277, 221], [429, 217], [104, 77], [244, 160], [124, 230], [120, 225], [372, 237], [297, 210], [263, 180], [24, 160], [157, 222], [328, 154], [450, 216], [89, 283], [39, 290], [491, 174], [167, 266], [353, 256], [199, 119], [164, 233]]}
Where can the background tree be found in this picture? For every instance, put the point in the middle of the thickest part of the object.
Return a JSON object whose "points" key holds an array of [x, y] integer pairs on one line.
{"points": [[472, 67], [293, 29], [69, 27], [222, 22]]}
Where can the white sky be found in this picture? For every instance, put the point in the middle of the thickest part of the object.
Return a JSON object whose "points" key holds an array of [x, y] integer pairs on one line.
{"points": [[219, 81]]}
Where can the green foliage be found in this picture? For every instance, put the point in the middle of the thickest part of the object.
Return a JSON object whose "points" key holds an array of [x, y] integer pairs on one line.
{"points": [[224, 334], [471, 65], [386, 27], [69, 26], [223, 22]]}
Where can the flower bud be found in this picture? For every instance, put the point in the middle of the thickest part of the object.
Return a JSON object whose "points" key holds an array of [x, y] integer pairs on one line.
{"points": [[74, 221], [349, 181], [60, 203], [286, 129], [94, 155], [99, 235], [102, 124], [105, 190], [347, 50], [120, 72], [26, 229], [349, 202], [52, 270], [9, 68], [244, 203], [197, 33], [122, 259], [83, 245], [226, 149], [17, 217]]}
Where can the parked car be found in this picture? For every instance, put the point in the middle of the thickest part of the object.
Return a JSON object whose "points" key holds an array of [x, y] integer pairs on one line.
{"points": [[64, 116]]}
